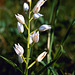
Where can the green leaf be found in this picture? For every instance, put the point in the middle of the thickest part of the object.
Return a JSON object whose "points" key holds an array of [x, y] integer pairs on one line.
{"points": [[11, 63], [73, 73], [54, 71], [50, 68], [68, 31]]}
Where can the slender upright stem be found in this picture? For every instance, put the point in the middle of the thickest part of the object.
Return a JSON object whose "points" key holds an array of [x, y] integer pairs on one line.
{"points": [[28, 40], [51, 39]]}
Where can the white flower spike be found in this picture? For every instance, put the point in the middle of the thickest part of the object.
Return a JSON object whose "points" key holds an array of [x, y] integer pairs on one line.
{"points": [[19, 49], [20, 27], [20, 18], [37, 15], [35, 37], [41, 56], [44, 27], [25, 7]]}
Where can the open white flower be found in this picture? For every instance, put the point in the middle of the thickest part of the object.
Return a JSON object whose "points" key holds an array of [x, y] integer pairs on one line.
{"points": [[44, 27], [20, 27], [35, 37], [19, 49], [20, 18], [41, 56], [37, 15], [25, 7], [37, 7]]}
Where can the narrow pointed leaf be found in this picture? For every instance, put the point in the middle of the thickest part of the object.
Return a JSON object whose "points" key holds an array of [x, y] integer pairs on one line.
{"points": [[50, 68], [11, 63]]}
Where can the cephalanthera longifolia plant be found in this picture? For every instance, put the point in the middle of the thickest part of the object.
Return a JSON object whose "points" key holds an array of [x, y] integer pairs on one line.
{"points": [[33, 37]]}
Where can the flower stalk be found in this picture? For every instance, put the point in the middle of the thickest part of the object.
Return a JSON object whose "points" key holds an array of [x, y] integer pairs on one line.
{"points": [[26, 70]]}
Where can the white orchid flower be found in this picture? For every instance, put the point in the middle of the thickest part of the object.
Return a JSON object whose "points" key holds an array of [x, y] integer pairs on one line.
{"points": [[20, 27], [25, 7], [41, 56], [37, 15], [19, 49], [35, 37], [36, 9], [44, 27], [41, 2], [20, 18]]}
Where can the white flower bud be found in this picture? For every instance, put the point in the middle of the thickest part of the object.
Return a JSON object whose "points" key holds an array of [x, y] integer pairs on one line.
{"points": [[35, 37], [44, 27], [25, 7], [20, 18], [37, 15], [20, 27], [20, 59], [41, 56], [19, 49], [28, 0]]}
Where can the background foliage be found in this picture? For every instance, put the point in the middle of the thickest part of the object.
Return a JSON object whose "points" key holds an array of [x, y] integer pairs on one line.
{"points": [[9, 35]]}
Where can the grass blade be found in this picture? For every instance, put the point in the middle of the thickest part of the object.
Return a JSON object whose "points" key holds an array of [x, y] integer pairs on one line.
{"points": [[11, 63]]}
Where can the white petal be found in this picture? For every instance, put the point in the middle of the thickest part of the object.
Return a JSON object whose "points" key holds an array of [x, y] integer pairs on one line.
{"points": [[30, 40], [36, 37], [25, 7], [20, 59], [28, 0], [41, 56], [44, 27], [18, 49], [20, 18], [36, 9], [21, 48], [20, 27], [41, 2], [37, 15]]}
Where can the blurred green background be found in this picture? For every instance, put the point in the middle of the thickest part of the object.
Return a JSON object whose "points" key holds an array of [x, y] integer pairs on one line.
{"points": [[9, 34]]}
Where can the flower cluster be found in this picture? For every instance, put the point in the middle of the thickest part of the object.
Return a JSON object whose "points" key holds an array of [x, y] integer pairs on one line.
{"points": [[34, 37]]}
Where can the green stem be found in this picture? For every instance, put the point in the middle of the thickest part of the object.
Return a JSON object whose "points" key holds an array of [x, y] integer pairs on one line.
{"points": [[34, 31], [32, 45], [26, 26], [24, 59], [52, 35], [31, 64], [28, 40]]}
